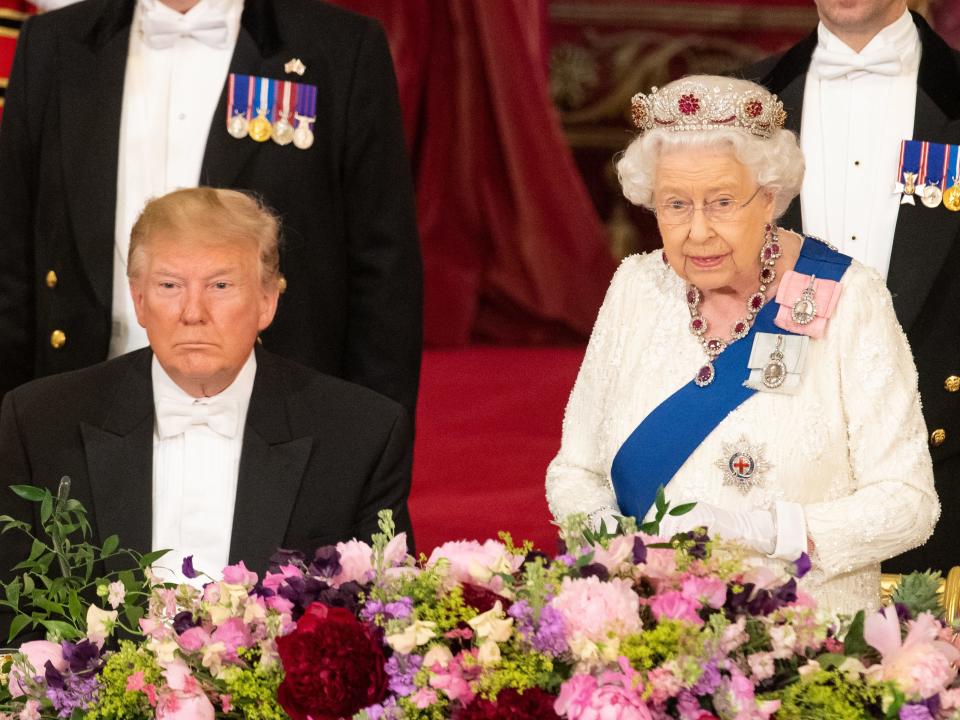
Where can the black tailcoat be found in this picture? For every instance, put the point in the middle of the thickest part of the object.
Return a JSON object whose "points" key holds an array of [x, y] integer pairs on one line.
{"points": [[351, 255], [320, 457], [924, 273]]}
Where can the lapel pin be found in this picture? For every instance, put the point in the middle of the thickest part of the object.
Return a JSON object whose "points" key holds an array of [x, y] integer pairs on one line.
{"points": [[294, 65]]}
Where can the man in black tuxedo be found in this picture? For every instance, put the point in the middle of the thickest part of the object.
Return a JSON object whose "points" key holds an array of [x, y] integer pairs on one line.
{"points": [[897, 57], [112, 102], [202, 443]]}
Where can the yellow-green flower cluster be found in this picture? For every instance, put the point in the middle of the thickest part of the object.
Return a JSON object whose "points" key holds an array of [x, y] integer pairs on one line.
{"points": [[115, 702], [827, 694], [253, 693]]}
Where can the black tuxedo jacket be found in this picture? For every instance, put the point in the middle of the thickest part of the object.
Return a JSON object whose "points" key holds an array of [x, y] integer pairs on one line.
{"points": [[321, 457], [351, 255], [924, 274]]}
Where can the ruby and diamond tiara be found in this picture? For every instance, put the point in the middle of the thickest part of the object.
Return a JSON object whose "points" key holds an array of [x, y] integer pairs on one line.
{"points": [[691, 105]]}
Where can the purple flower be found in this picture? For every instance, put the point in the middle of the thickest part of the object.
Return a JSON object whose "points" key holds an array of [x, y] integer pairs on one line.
{"points": [[286, 557], [78, 693], [83, 657], [595, 570], [183, 621], [639, 550], [401, 670], [550, 637], [915, 712], [396, 610], [801, 565], [699, 538], [326, 562], [903, 612], [187, 568], [709, 680]]}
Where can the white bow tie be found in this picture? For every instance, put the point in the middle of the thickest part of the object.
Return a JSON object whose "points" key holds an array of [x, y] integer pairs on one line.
{"points": [[832, 65], [174, 418], [160, 31]]}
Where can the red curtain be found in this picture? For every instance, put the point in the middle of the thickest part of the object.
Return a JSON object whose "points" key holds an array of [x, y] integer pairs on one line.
{"points": [[513, 249]]}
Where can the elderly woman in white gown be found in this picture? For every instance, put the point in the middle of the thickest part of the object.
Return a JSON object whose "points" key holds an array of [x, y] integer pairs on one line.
{"points": [[759, 373]]}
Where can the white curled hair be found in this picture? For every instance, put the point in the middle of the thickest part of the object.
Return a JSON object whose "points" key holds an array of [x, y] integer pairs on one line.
{"points": [[776, 163]]}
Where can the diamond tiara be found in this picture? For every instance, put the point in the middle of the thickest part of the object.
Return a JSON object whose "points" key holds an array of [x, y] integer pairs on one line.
{"points": [[692, 105]]}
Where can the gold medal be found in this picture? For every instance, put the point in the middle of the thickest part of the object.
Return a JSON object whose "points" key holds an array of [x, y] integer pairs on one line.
{"points": [[932, 195], [282, 132], [237, 126], [951, 198], [260, 128]]}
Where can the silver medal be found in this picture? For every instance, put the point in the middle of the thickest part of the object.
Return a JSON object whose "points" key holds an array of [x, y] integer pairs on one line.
{"points": [[283, 132], [805, 308], [743, 465], [303, 136], [775, 372], [237, 126]]}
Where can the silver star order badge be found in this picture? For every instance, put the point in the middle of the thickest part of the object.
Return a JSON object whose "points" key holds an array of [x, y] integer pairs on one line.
{"points": [[295, 66], [743, 465]]}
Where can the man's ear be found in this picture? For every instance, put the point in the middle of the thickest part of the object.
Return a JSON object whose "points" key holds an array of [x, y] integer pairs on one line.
{"points": [[136, 294]]}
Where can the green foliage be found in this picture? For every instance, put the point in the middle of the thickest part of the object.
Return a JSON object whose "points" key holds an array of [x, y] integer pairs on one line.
{"points": [[58, 573], [253, 692], [664, 642], [521, 671], [447, 611], [437, 711], [827, 694], [115, 702], [920, 592], [853, 642]]}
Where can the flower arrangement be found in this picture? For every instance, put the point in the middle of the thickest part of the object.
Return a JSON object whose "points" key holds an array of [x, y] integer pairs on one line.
{"points": [[618, 626]]}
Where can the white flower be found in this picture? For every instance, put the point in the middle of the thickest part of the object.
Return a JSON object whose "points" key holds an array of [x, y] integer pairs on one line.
{"points": [[489, 653], [100, 624], [437, 655], [415, 634], [492, 624], [116, 593]]}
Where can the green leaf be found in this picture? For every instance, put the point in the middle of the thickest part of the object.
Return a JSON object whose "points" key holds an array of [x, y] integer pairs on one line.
{"points": [[150, 558], [853, 644], [36, 550], [46, 509], [110, 545], [49, 605], [133, 613], [76, 610], [12, 592], [18, 624], [682, 509], [828, 661], [63, 629], [30, 492], [661, 501], [28, 584]]}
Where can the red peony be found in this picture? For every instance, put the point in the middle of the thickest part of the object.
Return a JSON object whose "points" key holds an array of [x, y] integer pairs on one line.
{"points": [[531, 704], [333, 665]]}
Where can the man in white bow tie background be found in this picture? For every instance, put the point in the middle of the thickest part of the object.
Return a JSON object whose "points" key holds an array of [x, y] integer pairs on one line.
{"points": [[205, 443], [112, 102], [871, 75]]}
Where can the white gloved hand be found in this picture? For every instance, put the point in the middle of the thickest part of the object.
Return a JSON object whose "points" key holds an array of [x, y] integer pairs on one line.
{"points": [[754, 528], [780, 533]]}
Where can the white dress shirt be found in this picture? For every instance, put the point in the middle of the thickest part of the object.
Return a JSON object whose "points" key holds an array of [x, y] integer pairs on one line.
{"points": [[195, 479], [169, 97], [850, 133]]}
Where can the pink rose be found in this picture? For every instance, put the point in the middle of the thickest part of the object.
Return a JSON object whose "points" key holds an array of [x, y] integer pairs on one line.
{"points": [[675, 605], [575, 695], [581, 698], [592, 609], [37, 652], [178, 706], [471, 562]]}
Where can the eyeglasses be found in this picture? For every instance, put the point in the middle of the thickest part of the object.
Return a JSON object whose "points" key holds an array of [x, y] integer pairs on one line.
{"points": [[680, 212]]}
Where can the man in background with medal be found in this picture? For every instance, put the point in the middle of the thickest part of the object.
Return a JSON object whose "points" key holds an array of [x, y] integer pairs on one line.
{"points": [[873, 94], [113, 102]]}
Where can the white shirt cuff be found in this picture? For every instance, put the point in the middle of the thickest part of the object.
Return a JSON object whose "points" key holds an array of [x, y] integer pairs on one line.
{"points": [[791, 531]]}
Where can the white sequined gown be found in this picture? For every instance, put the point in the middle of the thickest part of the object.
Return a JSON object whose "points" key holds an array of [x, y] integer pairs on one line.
{"points": [[850, 447]]}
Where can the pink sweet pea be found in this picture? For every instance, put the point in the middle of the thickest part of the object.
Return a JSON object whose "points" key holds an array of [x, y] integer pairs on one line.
{"points": [[356, 563], [234, 634], [239, 575], [675, 606], [273, 581], [193, 639], [711, 591], [37, 652]]}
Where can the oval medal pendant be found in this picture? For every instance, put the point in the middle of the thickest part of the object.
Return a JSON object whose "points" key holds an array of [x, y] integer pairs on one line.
{"points": [[951, 198], [932, 195], [282, 132], [237, 126], [805, 308], [260, 129], [303, 136]]}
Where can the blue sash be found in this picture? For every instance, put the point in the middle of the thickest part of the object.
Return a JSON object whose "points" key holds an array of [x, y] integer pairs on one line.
{"points": [[663, 441]]}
